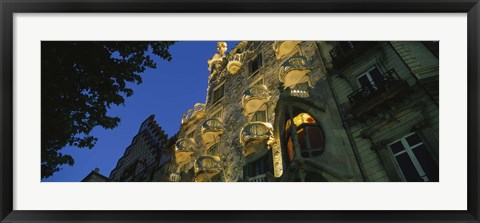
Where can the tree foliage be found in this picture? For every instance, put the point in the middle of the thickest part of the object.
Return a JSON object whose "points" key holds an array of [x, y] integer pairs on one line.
{"points": [[80, 80]]}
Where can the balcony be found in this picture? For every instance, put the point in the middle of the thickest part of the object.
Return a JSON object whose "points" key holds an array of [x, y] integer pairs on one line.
{"points": [[367, 98], [235, 63], [294, 70], [175, 177], [206, 168], [197, 112], [344, 52], [258, 178], [211, 131], [299, 93], [284, 48], [254, 98], [184, 148], [256, 137]]}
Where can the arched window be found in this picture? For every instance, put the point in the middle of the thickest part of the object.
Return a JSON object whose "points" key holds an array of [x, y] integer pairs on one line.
{"points": [[311, 141]]}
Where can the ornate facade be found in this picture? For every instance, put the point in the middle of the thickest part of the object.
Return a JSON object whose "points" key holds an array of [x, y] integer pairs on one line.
{"points": [[314, 111]]}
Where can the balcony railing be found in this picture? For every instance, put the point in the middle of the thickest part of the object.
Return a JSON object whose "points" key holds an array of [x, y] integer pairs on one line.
{"points": [[254, 98], [379, 91], [294, 70], [284, 48], [184, 148], [346, 50], [211, 130], [207, 167], [256, 137], [258, 178], [197, 112], [235, 63], [175, 177], [299, 93]]}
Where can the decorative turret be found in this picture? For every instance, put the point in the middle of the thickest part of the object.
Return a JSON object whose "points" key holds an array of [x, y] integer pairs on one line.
{"points": [[215, 63]]}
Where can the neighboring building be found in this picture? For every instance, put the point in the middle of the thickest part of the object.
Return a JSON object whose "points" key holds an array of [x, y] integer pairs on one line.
{"points": [[388, 95], [314, 111], [146, 157], [95, 176]]}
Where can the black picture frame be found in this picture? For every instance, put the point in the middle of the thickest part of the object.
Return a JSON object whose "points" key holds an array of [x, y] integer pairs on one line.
{"points": [[9, 7]]}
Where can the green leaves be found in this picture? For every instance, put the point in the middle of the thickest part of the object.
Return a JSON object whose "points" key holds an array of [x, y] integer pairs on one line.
{"points": [[80, 81]]}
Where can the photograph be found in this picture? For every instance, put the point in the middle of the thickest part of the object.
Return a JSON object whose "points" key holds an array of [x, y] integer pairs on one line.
{"points": [[240, 111]]}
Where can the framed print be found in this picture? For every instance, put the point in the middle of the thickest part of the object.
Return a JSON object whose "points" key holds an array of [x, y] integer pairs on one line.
{"points": [[239, 111]]}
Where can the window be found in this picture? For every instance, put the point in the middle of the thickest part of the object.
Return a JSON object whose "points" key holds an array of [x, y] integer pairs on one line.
{"points": [[309, 134], [413, 159], [372, 79], [217, 93], [259, 116], [260, 166], [255, 63]]}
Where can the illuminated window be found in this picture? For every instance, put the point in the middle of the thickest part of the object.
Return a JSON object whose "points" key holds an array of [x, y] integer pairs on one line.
{"points": [[414, 159], [309, 134]]}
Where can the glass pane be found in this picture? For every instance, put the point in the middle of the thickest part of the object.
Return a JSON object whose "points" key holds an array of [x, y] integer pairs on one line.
{"points": [[408, 169], [291, 153], [429, 165], [397, 147], [377, 77], [315, 136], [364, 82], [301, 139], [413, 140]]}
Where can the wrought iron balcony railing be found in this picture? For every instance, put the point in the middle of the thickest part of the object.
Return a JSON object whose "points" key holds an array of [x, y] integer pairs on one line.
{"points": [[254, 98], [256, 137], [376, 93], [211, 130], [184, 148], [346, 50], [294, 70], [256, 131], [207, 167], [284, 48], [258, 178], [175, 177], [197, 112], [235, 63]]}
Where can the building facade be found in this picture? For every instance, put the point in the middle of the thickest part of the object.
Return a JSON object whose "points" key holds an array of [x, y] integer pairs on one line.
{"points": [[147, 157], [314, 111], [95, 176]]}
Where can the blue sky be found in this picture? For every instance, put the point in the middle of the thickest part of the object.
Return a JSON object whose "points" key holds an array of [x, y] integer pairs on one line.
{"points": [[167, 91]]}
